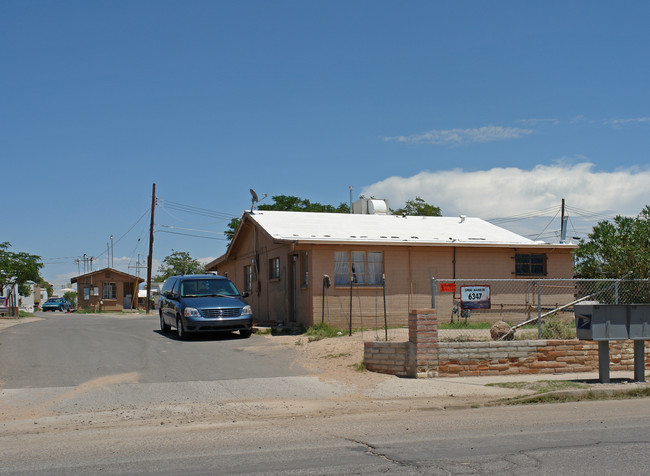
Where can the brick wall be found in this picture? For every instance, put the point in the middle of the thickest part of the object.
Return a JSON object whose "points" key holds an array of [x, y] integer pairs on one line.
{"points": [[416, 358], [531, 357], [423, 337], [387, 357], [424, 356]]}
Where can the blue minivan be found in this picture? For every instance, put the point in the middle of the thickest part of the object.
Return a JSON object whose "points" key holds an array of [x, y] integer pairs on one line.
{"points": [[203, 303]]}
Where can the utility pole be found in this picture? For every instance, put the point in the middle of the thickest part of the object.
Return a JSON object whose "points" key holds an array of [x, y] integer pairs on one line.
{"points": [[562, 226], [137, 267], [150, 257]]}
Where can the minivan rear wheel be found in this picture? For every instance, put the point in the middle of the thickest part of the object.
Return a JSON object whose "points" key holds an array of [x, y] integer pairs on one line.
{"points": [[179, 329], [164, 327]]}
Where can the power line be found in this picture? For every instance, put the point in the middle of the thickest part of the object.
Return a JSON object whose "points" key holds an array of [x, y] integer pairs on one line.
{"points": [[522, 216], [124, 234], [188, 234], [193, 210], [192, 229]]}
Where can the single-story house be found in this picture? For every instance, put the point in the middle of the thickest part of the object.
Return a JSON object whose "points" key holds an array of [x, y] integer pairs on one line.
{"points": [[285, 260], [37, 296], [107, 290]]}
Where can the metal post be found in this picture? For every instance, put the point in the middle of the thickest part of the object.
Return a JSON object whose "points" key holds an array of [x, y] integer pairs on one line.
{"points": [[350, 324], [603, 361], [616, 283], [639, 361], [433, 293], [539, 309], [383, 285]]}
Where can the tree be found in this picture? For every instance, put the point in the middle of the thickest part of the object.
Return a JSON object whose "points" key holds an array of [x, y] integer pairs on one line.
{"points": [[290, 203], [179, 262], [71, 296], [616, 248], [418, 207], [293, 204], [18, 268]]}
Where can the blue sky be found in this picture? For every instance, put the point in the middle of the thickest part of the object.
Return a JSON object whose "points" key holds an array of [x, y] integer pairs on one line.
{"points": [[488, 109]]}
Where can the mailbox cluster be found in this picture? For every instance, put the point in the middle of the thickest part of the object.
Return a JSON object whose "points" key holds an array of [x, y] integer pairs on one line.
{"points": [[602, 322], [605, 322]]}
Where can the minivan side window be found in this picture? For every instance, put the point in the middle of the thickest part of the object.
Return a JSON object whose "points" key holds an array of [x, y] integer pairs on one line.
{"points": [[167, 287]]}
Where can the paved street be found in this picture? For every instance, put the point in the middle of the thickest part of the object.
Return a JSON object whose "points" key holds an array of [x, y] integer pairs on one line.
{"points": [[111, 394], [596, 438], [70, 349]]}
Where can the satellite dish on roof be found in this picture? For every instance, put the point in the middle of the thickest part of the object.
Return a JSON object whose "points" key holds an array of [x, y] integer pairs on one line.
{"points": [[255, 198]]}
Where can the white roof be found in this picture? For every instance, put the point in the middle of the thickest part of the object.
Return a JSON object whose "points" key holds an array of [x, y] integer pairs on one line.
{"points": [[309, 227]]}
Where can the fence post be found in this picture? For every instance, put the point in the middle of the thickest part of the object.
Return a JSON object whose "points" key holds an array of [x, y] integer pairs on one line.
{"points": [[616, 283], [433, 293], [539, 309]]}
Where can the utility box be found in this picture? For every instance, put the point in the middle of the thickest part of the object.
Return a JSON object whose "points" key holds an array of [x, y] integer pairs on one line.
{"points": [[639, 321], [601, 322]]}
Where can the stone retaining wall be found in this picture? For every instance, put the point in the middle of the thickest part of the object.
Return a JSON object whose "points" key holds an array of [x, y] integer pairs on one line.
{"points": [[425, 356], [387, 357], [530, 357]]}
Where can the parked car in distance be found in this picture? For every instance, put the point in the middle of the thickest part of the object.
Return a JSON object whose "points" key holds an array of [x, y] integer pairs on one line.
{"points": [[4, 307], [203, 303], [56, 304]]}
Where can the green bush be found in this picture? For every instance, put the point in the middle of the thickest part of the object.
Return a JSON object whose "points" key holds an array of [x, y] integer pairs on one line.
{"points": [[323, 331]]}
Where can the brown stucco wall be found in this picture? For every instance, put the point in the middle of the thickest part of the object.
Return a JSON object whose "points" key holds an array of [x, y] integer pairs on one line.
{"points": [[98, 303], [408, 271]]}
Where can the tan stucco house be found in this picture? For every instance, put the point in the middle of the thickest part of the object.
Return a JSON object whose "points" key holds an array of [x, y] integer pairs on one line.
{"points": [[283, 259], [107, 290]]}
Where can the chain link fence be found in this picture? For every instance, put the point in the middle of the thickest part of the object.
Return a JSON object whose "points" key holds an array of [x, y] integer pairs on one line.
{"points": [[535, 308]]}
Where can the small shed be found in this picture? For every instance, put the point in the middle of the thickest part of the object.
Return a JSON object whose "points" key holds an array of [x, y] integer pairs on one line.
{"points": [[107, 290]]}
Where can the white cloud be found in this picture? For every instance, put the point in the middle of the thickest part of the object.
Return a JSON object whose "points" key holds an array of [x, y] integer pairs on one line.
{"points": [[464, 136], [620, 122], [535, 121], [503, 192]]}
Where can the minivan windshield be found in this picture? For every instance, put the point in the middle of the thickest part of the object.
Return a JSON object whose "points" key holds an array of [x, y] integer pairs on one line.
{"points": [[208, 287]]}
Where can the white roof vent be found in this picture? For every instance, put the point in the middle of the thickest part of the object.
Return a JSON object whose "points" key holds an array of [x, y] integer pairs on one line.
{"points": [[377, 207], [371, 206], [462, 218]]}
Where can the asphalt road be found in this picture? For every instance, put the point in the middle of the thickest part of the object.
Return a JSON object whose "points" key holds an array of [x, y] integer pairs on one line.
{"points": [[112, 395], [595, 438], [70, 349]]}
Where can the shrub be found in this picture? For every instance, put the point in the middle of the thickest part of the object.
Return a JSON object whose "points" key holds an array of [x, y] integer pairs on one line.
{"points": [[322, 331]]}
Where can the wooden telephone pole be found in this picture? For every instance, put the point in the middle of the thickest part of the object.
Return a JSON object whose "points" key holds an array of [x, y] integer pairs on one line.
{"points": [[150, 257]]}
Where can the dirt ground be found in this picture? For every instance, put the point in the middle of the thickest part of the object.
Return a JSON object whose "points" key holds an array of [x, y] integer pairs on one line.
{"points": [[339, 359]]}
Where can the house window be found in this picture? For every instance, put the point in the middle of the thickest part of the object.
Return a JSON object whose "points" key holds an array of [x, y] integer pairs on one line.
{"points": [[274, 268], [304, 268], [248, 278], [109, 291], [364, 268], [530, 264], [341, 268]]}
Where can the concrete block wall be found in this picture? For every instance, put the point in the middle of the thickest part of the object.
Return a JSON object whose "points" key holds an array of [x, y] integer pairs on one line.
{"points": [[424, 356], [416, 358], [531, 357], [387, 357]]}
